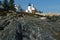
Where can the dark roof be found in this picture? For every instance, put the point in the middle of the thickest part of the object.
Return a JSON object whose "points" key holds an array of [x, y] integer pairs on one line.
{"points": [[29, 4]]}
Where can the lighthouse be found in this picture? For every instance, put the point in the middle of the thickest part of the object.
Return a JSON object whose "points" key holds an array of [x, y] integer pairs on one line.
{"points": [[31, 8]]}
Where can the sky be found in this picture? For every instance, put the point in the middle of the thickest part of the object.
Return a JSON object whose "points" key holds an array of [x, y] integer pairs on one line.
{"points": [[41, 5]]}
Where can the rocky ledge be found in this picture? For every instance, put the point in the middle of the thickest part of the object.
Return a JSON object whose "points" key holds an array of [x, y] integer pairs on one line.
{"points": [[29, 28]]}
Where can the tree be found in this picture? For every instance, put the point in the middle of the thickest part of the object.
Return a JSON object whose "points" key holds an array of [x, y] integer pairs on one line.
{"points": [[5, 5], [38, 11], [0, 3], [21, 9], [11, 5]]}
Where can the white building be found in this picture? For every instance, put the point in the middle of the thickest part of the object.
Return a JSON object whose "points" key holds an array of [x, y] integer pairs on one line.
{"points": [[16, 7]]}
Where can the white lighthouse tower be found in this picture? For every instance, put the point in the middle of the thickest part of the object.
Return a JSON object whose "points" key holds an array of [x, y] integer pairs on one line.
{"points": [[29, 8]]}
